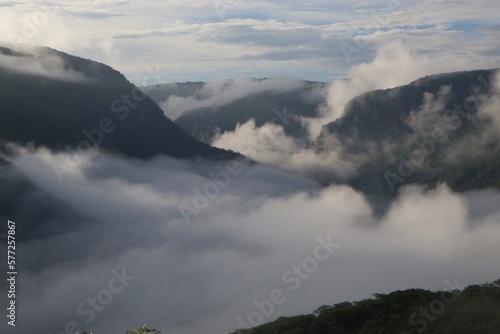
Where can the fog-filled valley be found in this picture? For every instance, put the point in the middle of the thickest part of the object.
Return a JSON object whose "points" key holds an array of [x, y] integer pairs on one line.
{"points": [[268, 202]]}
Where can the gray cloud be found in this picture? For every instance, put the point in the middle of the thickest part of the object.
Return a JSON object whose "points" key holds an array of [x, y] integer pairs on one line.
{"points": [[202, 276], [305, 37], [93, 14]]}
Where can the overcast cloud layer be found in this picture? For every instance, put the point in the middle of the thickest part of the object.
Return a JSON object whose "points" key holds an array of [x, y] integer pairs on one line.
{"points": [[212, 39]]}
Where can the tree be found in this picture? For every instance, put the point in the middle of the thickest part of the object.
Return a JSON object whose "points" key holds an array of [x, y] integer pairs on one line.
{"points": [[143, 330]]}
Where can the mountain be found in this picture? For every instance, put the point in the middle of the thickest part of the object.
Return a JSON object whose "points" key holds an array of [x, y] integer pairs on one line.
{"points": [[37, 214], [474, 310], [49, 98], [438, 129], [442, 128], [274, 101], [383, 114]]}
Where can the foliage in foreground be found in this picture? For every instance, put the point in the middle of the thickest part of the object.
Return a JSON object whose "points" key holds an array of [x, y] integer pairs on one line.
{"points": [[475, 310], [144, 329]]}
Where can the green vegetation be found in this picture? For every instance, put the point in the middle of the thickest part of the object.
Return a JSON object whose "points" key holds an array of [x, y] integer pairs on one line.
{"points": [[143, 330], [475, 310]]}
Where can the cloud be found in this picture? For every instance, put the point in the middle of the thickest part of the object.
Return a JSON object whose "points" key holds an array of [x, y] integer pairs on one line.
{"points": [[430, 114], [394, 65], [39, 62], [254, 38], [270, 145], [243, 236], [202, 276], [489, 109], [483, 136], [220, 92]]}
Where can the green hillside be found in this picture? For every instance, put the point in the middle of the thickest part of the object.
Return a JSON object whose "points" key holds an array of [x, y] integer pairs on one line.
{"points": [[474, 310]]}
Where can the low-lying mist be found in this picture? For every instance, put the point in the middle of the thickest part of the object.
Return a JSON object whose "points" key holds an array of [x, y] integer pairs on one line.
{"points": [[199, 245]]}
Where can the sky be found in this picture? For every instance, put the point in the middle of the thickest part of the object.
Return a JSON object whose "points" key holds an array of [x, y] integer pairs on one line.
{"points": [[201, 40]]}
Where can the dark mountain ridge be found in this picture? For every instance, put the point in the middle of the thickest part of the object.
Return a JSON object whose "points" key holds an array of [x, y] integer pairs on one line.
{"points": [[37, 214], [383, 131], [73, 103], [382, 114], [433, 130]]}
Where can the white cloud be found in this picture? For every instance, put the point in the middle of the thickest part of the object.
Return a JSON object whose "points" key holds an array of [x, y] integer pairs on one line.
{"points": [[490, 109], [220, 92], [270, 145], [202, 276], [256, 38], [39, 62], [395, 64]]}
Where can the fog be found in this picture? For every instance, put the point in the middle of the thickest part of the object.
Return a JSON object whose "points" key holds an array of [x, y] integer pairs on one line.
{"points": [[199, 247], [29, 60], [270, 145], [202, 274], [220, 92], [393, 66]]}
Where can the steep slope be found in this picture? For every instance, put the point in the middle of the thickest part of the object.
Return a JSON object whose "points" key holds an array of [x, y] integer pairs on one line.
{"points": [[161, 92], [383, 114], [274, 104], [63, 102], [36, 213], [440, 128]]}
